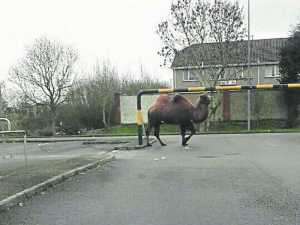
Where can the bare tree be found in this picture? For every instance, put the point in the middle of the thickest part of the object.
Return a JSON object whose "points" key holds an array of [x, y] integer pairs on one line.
{"points": [[214, 33], [187, 25], [131, 84], [45, 74], [105, 83], [216, 29]]}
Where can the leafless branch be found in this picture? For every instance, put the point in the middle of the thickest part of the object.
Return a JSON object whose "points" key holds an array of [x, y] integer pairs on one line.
{"points": [[45, 73]]}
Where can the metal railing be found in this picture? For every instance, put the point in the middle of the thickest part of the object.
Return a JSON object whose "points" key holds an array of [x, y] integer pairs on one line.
{"points": [[139, 115], [8, 123], [9, 131]]}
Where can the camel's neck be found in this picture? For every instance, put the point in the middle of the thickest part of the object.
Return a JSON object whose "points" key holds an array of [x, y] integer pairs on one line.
{"points": [[200, 112]]}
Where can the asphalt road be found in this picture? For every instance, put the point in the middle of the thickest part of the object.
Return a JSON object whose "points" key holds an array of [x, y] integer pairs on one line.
{"points": [[219, 179]]}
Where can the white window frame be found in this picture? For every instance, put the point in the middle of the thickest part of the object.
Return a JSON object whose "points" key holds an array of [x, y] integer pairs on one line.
{"points": [[188, 76], [242, 72], [275, 72]]}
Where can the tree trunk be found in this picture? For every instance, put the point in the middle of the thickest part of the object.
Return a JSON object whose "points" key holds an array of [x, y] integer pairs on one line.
{"points": [[53, 126], [53, 121], [215, 104], [104, 115]]}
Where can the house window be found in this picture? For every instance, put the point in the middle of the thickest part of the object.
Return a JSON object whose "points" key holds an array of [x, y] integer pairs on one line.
{"points": [[186, 75], [272, 71], [222, 76], [241, 72], [215, 74], [190, 75], [222, 73]]}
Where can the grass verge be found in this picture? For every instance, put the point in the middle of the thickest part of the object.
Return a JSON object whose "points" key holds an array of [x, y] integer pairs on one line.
{"points": [[131, 130]]}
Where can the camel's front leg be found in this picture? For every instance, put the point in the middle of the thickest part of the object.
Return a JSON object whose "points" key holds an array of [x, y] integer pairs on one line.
{"points": [[183, 131], [156, 134], [193, 131]]}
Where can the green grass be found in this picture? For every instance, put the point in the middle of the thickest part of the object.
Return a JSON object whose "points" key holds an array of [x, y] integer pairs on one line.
{"points": [[220, 128], [129, 130]]}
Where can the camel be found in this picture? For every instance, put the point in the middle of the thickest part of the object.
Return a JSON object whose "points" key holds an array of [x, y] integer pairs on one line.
{"points": [[177, 110]]}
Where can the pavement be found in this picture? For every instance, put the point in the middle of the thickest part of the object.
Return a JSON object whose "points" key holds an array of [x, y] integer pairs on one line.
{"points": [[44, 160], [218, 179], [38, 149], [107, 139]]}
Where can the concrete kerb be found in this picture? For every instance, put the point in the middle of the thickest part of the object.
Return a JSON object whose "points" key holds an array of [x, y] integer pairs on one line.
{"points": [[103, 140], [21, 196], [129, 146]]}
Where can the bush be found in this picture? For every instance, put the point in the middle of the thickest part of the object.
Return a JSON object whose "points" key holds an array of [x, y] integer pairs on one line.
{"points": [[44, 132]]}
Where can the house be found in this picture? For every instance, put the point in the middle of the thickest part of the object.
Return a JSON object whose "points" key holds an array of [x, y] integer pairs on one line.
{"points": [[197, 64]]}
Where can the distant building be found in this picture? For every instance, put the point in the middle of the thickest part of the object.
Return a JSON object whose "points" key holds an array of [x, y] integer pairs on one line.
{"points": [[194, 62]]}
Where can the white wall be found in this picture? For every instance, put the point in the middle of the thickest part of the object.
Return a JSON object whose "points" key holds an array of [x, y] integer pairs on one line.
{"points": [[128, 108]]}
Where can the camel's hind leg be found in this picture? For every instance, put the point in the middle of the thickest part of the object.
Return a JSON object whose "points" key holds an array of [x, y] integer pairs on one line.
{"points": [[148, 132], [156, 134]]}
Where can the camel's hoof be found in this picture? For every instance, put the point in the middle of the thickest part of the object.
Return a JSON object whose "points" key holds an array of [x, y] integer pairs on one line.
{"points": [[149, 145], [163, 144]]}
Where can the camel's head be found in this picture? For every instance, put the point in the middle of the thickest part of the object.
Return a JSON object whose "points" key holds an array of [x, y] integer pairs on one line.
{"points": [[204, 99], [201, 110]]}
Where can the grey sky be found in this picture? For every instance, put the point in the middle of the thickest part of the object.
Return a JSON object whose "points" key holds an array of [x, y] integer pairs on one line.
{"points": [[120, 30]]}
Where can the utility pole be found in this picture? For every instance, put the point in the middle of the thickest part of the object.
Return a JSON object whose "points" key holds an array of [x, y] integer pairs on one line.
{"points": [[1, 100], [249, 79]]}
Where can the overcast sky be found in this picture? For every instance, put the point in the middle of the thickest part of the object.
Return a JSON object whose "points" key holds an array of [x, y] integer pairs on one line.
{"points": [[120, 30]]}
